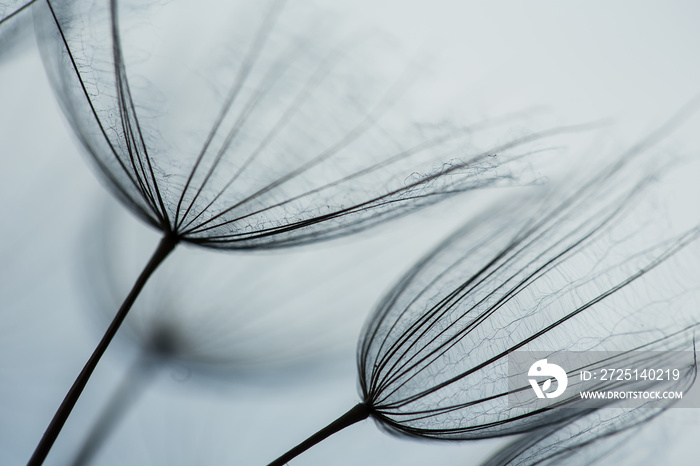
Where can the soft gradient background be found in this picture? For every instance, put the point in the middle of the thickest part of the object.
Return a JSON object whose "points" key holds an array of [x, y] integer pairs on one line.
{"points": [[633, 61]]}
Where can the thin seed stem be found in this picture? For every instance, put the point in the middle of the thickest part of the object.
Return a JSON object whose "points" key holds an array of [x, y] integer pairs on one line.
{"points": [[17, 11], [59, 419], [359, 413], [132, 386]]}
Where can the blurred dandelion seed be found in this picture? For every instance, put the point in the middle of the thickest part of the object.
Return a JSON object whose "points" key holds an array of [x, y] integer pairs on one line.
{"points": [[224, 314], [244, 320], [11, 10], [15, 26]]}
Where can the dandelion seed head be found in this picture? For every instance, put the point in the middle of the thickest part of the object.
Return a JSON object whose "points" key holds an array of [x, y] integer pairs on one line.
{"points": [[285, 134], [576, 267]]}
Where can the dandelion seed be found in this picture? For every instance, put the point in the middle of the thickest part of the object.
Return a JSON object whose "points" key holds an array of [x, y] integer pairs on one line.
{"points": [[586, 439], [302, 146], [578, 269]]}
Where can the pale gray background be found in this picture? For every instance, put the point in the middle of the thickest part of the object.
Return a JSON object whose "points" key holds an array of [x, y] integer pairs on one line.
{"points": [[634, 61]]}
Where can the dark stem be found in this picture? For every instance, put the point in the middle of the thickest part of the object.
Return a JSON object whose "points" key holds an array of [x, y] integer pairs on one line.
{"points": [[131, 387], [358, 413], [59, 419]]}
